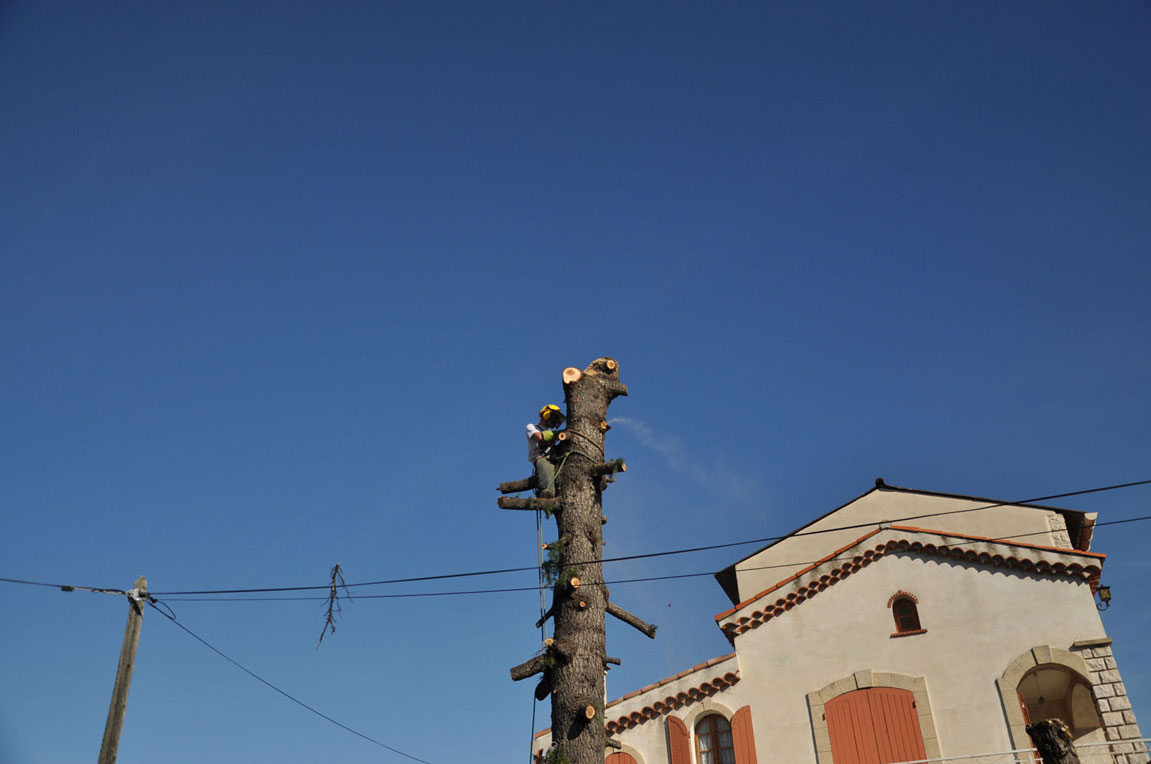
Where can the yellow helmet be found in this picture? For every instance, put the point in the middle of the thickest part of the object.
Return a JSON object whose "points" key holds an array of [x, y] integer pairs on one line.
{"points": [[551, 414]]}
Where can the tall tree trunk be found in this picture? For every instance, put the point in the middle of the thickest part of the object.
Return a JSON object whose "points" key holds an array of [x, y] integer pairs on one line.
{"points": [[579, 609], [573, 664]]}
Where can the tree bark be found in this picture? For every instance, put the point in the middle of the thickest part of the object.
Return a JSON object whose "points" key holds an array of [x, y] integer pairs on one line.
{"points": [[575, 662], [1053, 740], [516, 486], [575, 727], [511, 502], [631, 620]]}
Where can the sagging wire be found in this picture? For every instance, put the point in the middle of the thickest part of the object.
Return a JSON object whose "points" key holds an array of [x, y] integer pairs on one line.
{"points": [[155, 603]]}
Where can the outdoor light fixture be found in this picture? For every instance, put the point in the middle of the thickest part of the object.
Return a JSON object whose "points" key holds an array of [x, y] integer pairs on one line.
{"points": [[1104, 594]]}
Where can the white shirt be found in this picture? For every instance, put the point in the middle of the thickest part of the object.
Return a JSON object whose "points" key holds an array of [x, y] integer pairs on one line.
{"points": [[534, 444]]}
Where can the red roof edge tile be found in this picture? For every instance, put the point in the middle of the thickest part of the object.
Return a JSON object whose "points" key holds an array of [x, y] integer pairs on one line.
{"points": [[790, 578], [1062, 550]]}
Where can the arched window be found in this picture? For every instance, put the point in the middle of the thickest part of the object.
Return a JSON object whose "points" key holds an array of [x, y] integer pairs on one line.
{"points": [[713, 741], [903, 609]]}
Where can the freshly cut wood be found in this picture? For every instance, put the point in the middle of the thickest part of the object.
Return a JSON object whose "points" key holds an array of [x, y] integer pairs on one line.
{"points": [[518, 486], [513, 502], [609, 468], [573, 582], [562, 436], [604, 426], [631, 620], [589, 711], [571, 375]]}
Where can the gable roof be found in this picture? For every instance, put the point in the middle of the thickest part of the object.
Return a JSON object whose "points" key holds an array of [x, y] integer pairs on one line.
{"points": [[873, 545], [1080, 525]]}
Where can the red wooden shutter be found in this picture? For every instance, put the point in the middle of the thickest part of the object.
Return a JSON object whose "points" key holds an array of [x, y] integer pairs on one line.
{"points": [[896, 724], [678, 743], [851, 731], [875, 726], [619, 757], [744, 737]]}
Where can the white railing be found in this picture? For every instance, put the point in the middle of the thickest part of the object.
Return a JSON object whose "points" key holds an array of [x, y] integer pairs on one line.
{"points": [[1111, 752]]}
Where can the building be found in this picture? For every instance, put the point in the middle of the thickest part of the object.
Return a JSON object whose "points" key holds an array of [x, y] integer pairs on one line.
{"points": [[904, 625]]}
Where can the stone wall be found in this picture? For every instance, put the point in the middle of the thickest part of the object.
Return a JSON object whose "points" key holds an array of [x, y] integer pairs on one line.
{"points": [[1112, 701]]}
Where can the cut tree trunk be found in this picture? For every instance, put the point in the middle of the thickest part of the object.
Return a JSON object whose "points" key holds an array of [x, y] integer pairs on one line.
{"points": [[579, 682], [1053, 740], [575, 662]]}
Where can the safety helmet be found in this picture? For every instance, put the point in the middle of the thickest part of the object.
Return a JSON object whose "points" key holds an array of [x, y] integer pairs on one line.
{"points": [[551, 414]]}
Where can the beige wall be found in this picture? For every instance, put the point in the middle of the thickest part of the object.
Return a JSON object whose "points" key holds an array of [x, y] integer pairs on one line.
{"points": [[797, 552]]}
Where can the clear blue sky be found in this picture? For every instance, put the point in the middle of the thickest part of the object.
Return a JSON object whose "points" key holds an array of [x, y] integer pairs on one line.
{"points": [[282, 283]]}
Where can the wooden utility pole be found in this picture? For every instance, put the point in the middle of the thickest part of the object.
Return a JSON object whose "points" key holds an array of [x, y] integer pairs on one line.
{"points": [[574, 661], [136, 599], [1053, 740]]}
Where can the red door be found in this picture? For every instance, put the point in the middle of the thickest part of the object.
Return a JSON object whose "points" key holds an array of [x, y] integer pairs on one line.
{"points": [[619, 757], [874, 726]]}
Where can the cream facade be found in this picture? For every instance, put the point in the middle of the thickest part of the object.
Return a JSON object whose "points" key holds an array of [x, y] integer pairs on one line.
{"points": [[905, 625]]}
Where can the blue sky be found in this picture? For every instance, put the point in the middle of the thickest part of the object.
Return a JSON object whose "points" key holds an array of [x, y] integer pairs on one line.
{"points": [[282, 285]]}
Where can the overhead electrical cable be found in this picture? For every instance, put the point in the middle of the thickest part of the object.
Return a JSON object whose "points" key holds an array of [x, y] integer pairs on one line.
{"points": [[177, 597], [153, 601], [666, 553], [64, 587], [669, 577]]}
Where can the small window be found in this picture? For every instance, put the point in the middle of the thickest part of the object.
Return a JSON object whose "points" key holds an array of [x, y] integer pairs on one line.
{"points": [[906, 614], [713, 741]]}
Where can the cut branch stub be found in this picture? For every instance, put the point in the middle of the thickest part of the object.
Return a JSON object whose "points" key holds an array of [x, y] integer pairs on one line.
{"points": [[530, 667], [631, 620], [516, 486], [611, 742], [589, 711], [513, 502], [571, 375], [610, 468]]}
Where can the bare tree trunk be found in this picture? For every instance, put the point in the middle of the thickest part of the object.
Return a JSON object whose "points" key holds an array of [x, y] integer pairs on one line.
{"points": [[579, 682], [579, 598], [1053, 740]]}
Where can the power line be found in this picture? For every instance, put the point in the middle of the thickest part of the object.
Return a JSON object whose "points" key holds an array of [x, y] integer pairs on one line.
{"points": [[666, 553], [644, 579], [504, 590], [641, 556], [254, 675], [64, 587]]}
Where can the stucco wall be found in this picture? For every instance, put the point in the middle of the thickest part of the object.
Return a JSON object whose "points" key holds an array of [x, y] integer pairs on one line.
{"points": [[977, 619], [792, 554]]}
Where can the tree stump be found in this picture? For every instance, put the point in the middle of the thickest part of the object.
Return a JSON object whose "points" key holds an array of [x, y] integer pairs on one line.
{"points": [[1053, 740]]}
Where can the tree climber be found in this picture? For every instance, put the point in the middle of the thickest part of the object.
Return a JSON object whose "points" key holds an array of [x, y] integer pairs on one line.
{"points": [[541, 438]]}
